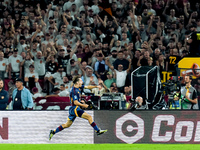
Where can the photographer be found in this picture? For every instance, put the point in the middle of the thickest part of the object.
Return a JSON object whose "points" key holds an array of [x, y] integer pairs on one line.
{"points": [[189, 95], [136, 104]]}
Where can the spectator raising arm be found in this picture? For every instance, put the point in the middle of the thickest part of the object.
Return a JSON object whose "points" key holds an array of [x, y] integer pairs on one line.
{"points": [[150, 24], [111, 67], [185, 9], [103, 22], [64, 19], [129, 66]]}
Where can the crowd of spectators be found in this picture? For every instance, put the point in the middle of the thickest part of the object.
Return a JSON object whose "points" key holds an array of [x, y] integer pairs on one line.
{"points": [[54, 41]]}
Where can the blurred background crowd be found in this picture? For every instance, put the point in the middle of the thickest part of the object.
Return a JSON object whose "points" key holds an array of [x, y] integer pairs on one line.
{"points": [[48, 42]]}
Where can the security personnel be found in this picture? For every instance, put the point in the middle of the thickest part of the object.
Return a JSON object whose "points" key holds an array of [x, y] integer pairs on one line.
{"points": [[21, 97], [3, 96]]}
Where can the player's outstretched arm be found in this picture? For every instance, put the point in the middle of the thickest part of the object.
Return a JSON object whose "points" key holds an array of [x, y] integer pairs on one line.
{"points": [[91, 86]]}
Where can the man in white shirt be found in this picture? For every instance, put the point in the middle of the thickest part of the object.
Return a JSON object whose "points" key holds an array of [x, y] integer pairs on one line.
{"points": [[3, 66], [72, 39], [47, 39], [74, 10], [68, 4], [15, 69], [59, 92], [40, 62], [87, 30], [95, 7], [60, 41], [101, 34], [73, 68], [89, 78], [58, 77], [36, 94], [21, 46], [31, 78], [32, 74], [27, 62], [120, 75], [67, 83], [63, 91], [125, 40]]}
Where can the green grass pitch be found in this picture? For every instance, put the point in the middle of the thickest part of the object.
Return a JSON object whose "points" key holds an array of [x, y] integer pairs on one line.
{"points": [[99, 146]]}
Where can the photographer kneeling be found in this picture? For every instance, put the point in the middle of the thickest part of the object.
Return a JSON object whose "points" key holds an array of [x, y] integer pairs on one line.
{"points": [[136, 104]]}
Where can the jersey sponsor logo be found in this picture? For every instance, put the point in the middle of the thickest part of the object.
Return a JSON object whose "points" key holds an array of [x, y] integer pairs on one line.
{"points": [[75, 97], [41, 61], [17, 61], [4, 64]]}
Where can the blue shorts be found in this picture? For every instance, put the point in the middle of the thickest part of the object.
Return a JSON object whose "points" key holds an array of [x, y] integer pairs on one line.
{"points": [[75, 111]]}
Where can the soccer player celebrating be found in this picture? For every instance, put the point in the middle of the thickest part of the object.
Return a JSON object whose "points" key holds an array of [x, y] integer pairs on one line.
{"points": [[75, 110]]}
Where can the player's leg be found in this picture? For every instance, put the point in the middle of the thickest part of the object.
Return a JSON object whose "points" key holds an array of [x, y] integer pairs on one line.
{"points": [[92, 123], [69, 122], [60, 128], [63, 126], [88, 117]]}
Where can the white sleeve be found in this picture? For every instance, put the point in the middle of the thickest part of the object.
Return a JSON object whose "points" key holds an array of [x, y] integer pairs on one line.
{"points": [[64, 74], [125, 72], [63, 93], [26, 75], [36, 75], [54, 75], [74, 57], [20, 58]]}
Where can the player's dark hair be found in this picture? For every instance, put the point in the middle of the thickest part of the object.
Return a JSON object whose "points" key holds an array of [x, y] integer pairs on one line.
{"points": [[75, 79]]}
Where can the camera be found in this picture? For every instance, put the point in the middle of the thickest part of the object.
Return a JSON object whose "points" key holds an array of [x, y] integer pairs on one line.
{"points": [[134, 105], [173, 84], [90, 104]]}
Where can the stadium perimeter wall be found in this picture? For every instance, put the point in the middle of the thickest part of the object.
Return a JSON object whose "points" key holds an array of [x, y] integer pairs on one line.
{"points": [[123, 127]]}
